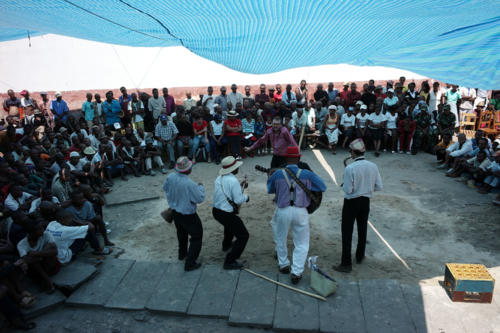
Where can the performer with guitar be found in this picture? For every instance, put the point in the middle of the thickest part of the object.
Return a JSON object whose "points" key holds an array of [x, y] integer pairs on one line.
{"points": [[228, 197], [293, 187]]}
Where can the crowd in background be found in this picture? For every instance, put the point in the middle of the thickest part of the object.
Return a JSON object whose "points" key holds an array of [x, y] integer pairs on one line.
{"points": [[55, 165]]}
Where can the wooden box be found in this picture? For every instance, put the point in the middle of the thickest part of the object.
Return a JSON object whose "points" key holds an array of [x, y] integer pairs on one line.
{"points": [[469, 283]]}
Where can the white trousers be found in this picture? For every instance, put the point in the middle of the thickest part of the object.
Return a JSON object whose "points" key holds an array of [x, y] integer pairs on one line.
{"points": [[298, 219], [157, 160]]}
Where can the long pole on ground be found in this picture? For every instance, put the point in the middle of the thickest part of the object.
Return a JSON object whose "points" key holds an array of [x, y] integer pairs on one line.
{"points": [[301, 136], [321, 298]]}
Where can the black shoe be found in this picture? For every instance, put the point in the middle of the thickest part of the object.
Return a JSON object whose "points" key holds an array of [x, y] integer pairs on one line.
{"points": [[172, 165], [192, 267], [182, 256], [295, 278], [359, 260], [233, 265], [343, 268], [285, 270]]}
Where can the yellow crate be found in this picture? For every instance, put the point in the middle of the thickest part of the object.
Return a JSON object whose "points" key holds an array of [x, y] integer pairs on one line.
{"points": [[475, 272]]}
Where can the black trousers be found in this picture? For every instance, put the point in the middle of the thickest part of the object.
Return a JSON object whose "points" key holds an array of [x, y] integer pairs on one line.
{"points": [[354, 209], [189, 225], [277, 161], [233, 227], [234, 144]]}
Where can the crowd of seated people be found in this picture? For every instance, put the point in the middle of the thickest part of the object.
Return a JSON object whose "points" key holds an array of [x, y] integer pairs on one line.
{"points": [[56, 165]]}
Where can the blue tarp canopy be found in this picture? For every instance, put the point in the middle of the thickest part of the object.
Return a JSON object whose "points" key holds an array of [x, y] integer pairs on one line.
{"points": [[453, 41]]}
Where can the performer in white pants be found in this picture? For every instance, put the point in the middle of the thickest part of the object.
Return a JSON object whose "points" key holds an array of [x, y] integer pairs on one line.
{"points": [[292, 204]]}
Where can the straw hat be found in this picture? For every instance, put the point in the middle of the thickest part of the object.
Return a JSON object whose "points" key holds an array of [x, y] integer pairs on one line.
{"points": [[229, 164], [183, 164]]}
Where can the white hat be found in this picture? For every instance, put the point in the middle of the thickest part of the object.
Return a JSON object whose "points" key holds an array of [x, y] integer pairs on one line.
{"points": [[58, 93], [229, 164], [359, 103], [332, 107], [216, 105], [390, 90], [117, 126], [74, 154], [363, 107]]}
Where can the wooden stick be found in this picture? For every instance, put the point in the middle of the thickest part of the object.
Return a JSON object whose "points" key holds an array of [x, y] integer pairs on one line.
{"points": [[301, 136], [321, 298]]}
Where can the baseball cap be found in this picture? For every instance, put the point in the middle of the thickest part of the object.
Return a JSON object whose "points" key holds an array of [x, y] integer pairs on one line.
{"points": [[74, 154], [58, 94], [363, 107], [332, 107], [163, 117]]}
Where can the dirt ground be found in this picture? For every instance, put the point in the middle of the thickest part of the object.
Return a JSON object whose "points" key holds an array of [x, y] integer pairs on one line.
{"points": [[426, 218]]}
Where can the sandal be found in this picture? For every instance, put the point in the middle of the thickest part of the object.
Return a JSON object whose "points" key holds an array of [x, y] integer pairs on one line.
{"points": [[105, 251], [27, 302]]}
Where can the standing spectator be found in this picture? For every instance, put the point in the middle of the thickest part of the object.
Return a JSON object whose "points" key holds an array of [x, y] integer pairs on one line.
{"points": [[411, 96], [352, 96], [88, 110], [278, 94], [368, 96], [12, 104], [208, 100], [183, 195], [330, 124], [124, 100], [248, 97], [234, 97], [60, 110], [401, 82], [343, 95], [189, 102], [220, 100], [422, 124], [468, 97], [301, 93], [165, 133], [320, 95], [435, 97], [44, 107], [262, 98], [169, 102], [136, 109], [332, 92], [453, 98], [288, 96], [98, 109], [111, 109], [156, 105], [232, 130]]}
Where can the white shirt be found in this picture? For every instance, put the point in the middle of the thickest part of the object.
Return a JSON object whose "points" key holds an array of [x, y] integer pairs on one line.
{"points": [[78, 167], [391, 120], [217, 128], [299, 121], [456, 151], [347, 121], [13, 204], [36, 203], [435, 99], [362, 119], [23, 247], [311, 115], [377, 119], [210, 103], [391, 101], [64, 237], [361, 179], [234, 98], [232, 190], [138, 117]]}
